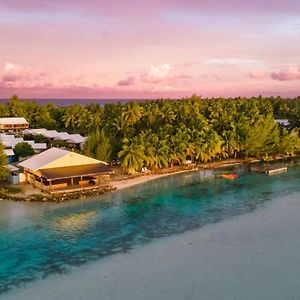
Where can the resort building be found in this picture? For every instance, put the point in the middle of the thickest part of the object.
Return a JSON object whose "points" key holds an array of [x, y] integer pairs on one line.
{"points": [[9, 141], [15, 175], [13, 124], [283, 122], [74, 140], [56, 170], [10, 154]]}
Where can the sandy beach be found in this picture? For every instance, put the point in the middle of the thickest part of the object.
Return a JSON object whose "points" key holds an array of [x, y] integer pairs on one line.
{"points": [[142, 178], [253, 256], [126, 183]]}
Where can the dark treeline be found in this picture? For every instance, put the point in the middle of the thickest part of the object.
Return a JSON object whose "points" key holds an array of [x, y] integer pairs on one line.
{"points": [[162, 133]]}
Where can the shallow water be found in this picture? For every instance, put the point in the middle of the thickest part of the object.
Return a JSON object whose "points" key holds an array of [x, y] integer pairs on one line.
{"points": [[39, 239]]}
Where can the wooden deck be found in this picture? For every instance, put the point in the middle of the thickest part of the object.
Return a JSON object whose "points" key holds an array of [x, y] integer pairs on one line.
{"points": [[270, 171]]}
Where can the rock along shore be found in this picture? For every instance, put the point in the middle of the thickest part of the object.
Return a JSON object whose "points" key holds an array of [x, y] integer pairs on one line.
{"points": [[60, 197]]}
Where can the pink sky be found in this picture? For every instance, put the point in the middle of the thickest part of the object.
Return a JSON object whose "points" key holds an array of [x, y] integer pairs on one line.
{"points": [[149, 49]]}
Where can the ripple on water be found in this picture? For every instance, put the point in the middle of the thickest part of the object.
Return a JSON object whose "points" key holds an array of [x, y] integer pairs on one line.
{"points": [[44, 239]]}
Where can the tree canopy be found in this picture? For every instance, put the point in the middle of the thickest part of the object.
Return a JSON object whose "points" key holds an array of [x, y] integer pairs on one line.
{"points": [[23, 149], [164, 133], [3, 162]]}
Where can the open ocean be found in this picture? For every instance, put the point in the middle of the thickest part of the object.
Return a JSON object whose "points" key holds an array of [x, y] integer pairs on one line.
{"points": [[67, 102]]}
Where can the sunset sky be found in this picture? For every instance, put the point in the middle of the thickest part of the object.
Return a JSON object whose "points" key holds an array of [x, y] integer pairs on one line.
{"points": [[149, 49]]}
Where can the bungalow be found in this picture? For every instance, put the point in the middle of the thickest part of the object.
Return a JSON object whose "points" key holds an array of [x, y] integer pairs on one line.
{"points": [[283, 122], [35, 131], [10, 141], [10, 154], [13, 124], [74, 140], [60, 170], [62, 136]]}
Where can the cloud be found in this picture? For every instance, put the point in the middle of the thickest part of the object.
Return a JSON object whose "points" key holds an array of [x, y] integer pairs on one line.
{"points": [[92, 92], [128, 81], [292, 73], [156, 74], [256, 74], [13, 72]]}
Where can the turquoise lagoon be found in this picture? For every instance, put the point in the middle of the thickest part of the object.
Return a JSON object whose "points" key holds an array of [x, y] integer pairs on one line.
{"points": [[40, 239]]}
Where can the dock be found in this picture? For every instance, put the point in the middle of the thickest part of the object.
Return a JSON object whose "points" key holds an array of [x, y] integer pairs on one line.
{"points": [[270, 171]]}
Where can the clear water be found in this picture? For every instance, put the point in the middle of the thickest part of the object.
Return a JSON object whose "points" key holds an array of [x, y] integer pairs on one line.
{"points": [[39, 239]]}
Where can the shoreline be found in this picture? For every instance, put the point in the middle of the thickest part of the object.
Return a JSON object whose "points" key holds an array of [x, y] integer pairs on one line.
{"points": [[130, 181], [126, 183], [143, 178]]}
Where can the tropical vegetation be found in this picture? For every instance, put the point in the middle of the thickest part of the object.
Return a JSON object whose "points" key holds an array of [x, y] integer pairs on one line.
{"points": [[23, 149], [3, 162], [164, 133]]}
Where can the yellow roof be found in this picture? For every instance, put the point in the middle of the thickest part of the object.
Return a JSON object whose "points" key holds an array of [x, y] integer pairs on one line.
{"points": [[57, 158], [13, 121]]}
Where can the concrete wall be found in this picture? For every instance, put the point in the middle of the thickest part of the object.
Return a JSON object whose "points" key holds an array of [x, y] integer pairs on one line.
{"points": [[13, 179], [17, 178], [22, 178]]}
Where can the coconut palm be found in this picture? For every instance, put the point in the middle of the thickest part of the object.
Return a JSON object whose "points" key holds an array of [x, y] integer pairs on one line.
{"points": [[132, 112], [132, 155], [72, 116]]}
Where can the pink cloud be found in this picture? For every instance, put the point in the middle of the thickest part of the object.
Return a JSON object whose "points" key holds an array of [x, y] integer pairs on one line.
{"points": [[14, 72], [128, 81], [292, 73], [156, 74], [256, 74], [93, 92]]}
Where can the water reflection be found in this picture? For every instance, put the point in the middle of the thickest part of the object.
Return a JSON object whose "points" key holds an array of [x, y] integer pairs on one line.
{"points": [[73, 222]]}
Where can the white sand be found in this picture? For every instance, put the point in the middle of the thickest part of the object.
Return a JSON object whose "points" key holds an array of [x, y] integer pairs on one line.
{"points": [[254, 256], [122, 184]]}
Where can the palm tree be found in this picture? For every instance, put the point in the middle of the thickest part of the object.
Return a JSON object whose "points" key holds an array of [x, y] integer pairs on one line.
{"points": [[152, 115], [132, 155], [177, 150], [147, 140], [168, 114], [132, 112], [72, 116], [104, 148]]}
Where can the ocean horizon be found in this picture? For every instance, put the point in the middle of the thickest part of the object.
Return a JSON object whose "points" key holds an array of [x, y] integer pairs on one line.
{"points": [[70, 101]]}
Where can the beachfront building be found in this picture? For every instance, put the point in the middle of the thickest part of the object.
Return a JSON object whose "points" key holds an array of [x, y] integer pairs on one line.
{"points": [[10, 154], [15, 175], [73, 140], [9, 141], [283, 122], [13, 124], [56, 170]]}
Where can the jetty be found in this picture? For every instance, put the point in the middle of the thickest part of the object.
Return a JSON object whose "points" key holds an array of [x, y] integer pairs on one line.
{"points": [[270, 170]]}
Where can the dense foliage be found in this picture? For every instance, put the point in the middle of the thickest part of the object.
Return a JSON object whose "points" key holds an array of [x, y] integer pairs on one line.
{"points": [[23, 150], [3, 162], [163, 133]]}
